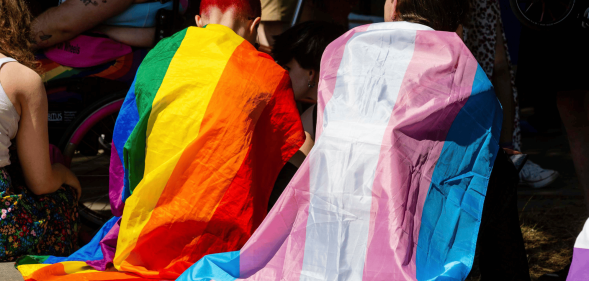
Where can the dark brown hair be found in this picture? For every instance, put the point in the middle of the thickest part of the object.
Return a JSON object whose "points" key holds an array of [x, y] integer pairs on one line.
{"points": [[442, 15], [15, 32], [305, 43]]}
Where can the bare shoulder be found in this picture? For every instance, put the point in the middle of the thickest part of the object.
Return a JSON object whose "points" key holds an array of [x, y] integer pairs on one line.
{"points": [[19, 79]]}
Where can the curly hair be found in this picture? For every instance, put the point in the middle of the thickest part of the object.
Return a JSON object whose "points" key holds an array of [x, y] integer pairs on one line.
{"points": [[15, 32]]}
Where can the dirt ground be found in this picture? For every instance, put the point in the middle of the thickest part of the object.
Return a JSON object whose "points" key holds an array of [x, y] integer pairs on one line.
{"points": [[551, 217], [550, 234]]}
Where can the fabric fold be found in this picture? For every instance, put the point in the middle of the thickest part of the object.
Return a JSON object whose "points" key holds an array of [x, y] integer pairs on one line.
{"points": [[200, 139], [408, 129]]}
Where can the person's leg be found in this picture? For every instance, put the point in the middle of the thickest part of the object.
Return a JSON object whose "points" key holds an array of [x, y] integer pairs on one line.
{"points": [[501, 80], [500, 245], [531, 174], [574, 112]]}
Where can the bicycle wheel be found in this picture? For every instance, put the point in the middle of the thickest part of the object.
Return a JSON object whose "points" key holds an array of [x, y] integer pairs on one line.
{"points": [[543, 14], [86, 148]]}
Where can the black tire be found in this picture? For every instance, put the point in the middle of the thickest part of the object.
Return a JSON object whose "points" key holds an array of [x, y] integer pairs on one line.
{"points": [[558, 22], [84, 114], [87, 215]]}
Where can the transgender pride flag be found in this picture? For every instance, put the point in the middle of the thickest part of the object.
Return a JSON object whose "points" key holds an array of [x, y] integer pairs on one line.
{"points": [[408, 128], [580, 267]]}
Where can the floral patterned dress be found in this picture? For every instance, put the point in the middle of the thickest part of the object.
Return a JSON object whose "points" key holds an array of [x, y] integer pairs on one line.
{"points": [[35, 225]]}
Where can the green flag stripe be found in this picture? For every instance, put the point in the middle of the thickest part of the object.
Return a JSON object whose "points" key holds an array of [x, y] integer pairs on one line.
{"points": [[149, 78]]}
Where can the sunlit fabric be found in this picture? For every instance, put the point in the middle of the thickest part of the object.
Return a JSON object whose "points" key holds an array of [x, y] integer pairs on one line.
{"points": [[408, 129], [200, 139], [579, 270]]}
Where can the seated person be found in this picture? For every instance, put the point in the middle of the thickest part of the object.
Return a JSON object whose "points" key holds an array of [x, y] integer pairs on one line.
{"points": [[277, 16], [38, 199], [128, 21], [200, 139], [88, 33], [406, 156], [299, 51]]}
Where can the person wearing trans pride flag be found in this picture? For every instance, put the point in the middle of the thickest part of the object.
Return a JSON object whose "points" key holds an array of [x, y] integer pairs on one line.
{"points": [[406, 156], [201, 137]]}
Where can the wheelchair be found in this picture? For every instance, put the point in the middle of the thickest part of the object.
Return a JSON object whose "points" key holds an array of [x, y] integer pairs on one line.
{"points": [[551, 14], [83, 108]]}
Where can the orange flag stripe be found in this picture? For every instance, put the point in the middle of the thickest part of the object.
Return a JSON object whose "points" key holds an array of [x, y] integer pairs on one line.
{"points": [[206, 170]]}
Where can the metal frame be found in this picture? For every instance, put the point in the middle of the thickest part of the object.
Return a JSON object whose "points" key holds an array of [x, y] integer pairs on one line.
{"points": [[297, 14]]}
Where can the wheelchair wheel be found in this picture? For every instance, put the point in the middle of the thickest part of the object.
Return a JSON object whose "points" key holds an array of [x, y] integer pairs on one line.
{"points": [[86, 146], [543, 14]]}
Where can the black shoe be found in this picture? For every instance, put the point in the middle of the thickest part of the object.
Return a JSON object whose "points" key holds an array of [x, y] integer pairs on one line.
{"points": [[560, 275]]}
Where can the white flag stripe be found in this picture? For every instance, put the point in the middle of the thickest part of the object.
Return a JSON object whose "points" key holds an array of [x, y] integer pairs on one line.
{"points": [[344, 161], [583, 238]]}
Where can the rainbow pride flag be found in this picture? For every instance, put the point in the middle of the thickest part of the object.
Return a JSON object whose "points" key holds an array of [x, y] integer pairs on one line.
{"points": [[200, 139], [579, 270], [121, 69], [408, 129]]}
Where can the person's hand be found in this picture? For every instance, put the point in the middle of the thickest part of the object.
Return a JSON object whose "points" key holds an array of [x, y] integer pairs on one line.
{"points": [[511, 151], [78, 188], [69, 178], [73, 181]]}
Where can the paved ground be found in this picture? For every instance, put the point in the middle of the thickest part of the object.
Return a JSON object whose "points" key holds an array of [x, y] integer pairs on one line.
{"points": [[9, 273]]}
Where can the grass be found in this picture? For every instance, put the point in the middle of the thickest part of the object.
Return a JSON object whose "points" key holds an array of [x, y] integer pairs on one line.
{"points": [[550, 234]]}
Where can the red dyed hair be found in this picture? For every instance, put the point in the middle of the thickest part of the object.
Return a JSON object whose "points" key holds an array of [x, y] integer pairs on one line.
{"points": [[243, 8]]}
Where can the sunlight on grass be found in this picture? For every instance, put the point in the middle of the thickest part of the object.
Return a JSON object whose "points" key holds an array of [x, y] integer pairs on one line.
{"points": [[550, 235]]}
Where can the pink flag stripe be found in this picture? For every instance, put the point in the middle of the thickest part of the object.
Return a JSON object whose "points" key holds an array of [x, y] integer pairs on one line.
{"points": [[328, 68], [116, 175], [276, 244], [394, 231]]}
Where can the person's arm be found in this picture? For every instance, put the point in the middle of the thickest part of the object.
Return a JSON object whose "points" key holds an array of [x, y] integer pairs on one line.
{"points": [[299, 157], [133, 36], [73, 17], [41, 177]]}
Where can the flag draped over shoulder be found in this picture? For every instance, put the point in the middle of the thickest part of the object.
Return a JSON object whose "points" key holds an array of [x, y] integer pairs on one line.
{"points": [[579, 270], [198, 144], [408, 128]]}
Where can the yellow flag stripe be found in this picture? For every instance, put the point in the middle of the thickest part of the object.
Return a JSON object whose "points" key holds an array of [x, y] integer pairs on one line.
{"points": [[185, 93]]}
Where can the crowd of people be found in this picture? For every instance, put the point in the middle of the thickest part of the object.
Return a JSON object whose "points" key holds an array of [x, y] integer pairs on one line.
{"points": [[180, 145]]}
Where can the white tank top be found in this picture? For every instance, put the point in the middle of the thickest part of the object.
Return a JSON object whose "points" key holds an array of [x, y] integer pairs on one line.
{"points": [[8, 121]]}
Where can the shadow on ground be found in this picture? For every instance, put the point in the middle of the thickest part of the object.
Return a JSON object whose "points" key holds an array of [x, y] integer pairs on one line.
{"points": [[551, 217]]}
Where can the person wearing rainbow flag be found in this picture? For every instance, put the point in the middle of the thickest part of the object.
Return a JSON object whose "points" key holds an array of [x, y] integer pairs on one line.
{"points": [[200, 139]]}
